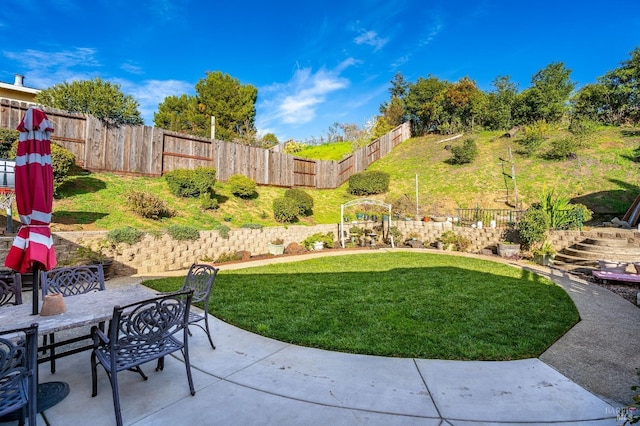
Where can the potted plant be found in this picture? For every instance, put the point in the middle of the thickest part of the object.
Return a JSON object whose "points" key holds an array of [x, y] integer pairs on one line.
{"points": [[544, 254], [355, 233], [276, 247]]}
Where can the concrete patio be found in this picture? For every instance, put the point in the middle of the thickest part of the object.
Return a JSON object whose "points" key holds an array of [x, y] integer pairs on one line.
{"points": [[250, 380]]}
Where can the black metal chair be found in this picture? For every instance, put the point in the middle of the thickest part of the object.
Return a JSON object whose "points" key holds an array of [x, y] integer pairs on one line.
{"points": [[10, 288], [200, 279], [18, 372], [70, 281], [139, 333]]}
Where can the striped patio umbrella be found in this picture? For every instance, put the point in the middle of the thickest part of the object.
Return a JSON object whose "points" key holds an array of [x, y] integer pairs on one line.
{"points": [[32, 248]]}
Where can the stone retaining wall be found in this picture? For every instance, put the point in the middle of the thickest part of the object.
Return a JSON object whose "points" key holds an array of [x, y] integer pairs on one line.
{"points": [[162, 254]]}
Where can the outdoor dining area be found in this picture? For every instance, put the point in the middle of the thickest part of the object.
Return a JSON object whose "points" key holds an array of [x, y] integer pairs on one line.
{"points": [[71, 310]]}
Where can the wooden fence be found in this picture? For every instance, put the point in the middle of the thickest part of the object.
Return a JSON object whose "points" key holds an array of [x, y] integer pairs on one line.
{"points": [[150, 151]]}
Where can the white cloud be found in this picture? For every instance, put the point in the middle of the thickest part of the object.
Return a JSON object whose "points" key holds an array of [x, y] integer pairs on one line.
{"points": [[371, 38], [150, 93], [44, 69], [296, 102]]}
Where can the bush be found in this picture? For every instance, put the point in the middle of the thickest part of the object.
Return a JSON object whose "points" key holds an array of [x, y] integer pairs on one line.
{"points": [[125, 234], [7, 138], [183, 233], [368, 182], [252, 225], [326, 239], [285, 209], [302, 199], [62, 161], [465, 153], [533, 136], [533, 226], [191, 183], [147, 205], [208, 202], [459, 242], [563, 148], [223, 230], [242, 186]]}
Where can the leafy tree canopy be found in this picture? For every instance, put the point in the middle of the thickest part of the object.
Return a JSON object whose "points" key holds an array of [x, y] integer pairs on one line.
{"points": [[220, 96], [99, 98]]}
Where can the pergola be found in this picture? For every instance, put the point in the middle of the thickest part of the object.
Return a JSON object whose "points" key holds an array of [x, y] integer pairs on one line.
{"points": [[365, 201]]}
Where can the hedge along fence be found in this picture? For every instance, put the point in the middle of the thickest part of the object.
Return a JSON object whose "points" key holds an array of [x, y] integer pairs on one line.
{"points": [[150, 151]]}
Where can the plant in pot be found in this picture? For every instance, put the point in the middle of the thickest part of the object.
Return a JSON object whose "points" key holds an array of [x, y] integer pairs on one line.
{"points": [[544, 254], [355, 233], [318, 241], [509, 245], [276, 247]]}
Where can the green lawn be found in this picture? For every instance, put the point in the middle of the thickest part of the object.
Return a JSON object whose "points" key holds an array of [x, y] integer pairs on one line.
{"points": [[396, 304]]}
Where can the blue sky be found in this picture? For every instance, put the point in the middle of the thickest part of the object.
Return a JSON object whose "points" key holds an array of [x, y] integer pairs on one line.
{"points": [[313, 63]]}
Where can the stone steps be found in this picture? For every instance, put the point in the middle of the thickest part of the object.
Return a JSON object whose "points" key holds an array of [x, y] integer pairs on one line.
{"points": [[584, 255]]}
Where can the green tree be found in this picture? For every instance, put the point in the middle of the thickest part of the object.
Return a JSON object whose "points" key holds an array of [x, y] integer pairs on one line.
{"points": [[500, 101], [182, 114], [269, 140], [615, 99], [547, 98], [463, 101], [99, 98], [221, 96], [424, 103], [231, 103]]}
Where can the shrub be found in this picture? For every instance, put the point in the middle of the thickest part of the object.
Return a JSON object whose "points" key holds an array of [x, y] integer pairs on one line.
{"points": [[147, 205], [533, 136], [252, 225], [291, 147], [229, 257], [242, 186], [563, 148], [302, 199], [465, 153], [208, 202], [326, 239], [7, 138], [285, 209], [223, 230], [62, 161], [204, 179], [126, 234], [183, 233], [191, 183], [533, 226], [368, 182], [459, 242]]}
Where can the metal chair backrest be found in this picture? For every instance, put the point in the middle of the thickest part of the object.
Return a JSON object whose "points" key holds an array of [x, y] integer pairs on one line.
{"points": [[73, 280], [18, 364], [10, 288], [139, 329], [200, 279]]}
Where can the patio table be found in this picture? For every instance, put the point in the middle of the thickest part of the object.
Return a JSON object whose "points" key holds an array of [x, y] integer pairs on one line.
{"points": [[81, 310]]}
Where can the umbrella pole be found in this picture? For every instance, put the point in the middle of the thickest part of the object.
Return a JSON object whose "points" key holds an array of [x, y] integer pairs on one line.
{"points": [[36, 289]]}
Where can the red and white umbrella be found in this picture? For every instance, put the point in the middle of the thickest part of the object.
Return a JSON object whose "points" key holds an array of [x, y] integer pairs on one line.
{"points": [[32, 248]]}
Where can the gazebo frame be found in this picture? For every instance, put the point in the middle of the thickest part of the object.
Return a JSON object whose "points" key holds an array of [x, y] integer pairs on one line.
{"points": [[365, 201]]}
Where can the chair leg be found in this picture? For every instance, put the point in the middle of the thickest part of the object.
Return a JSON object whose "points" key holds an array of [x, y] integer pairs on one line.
{"points": [[52, 352], [206, 323], [116, 397], [160, 365], [94, 376], [187, 363]]}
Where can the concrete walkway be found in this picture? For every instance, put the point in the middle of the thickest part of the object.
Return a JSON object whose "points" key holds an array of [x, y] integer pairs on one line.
{"points": [[252, 380]]}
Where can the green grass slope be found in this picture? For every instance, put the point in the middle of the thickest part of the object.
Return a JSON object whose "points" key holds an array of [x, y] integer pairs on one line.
{"points": [[604, 176]]}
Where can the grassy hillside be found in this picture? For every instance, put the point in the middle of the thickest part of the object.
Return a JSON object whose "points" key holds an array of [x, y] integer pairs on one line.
{"points": [[604, 176]]}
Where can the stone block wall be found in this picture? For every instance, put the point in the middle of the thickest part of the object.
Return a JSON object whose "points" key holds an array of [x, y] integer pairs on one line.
{"points": [[161, 254]]}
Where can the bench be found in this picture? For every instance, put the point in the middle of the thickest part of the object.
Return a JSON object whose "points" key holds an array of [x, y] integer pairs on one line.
{"points": [[616, 276]]}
